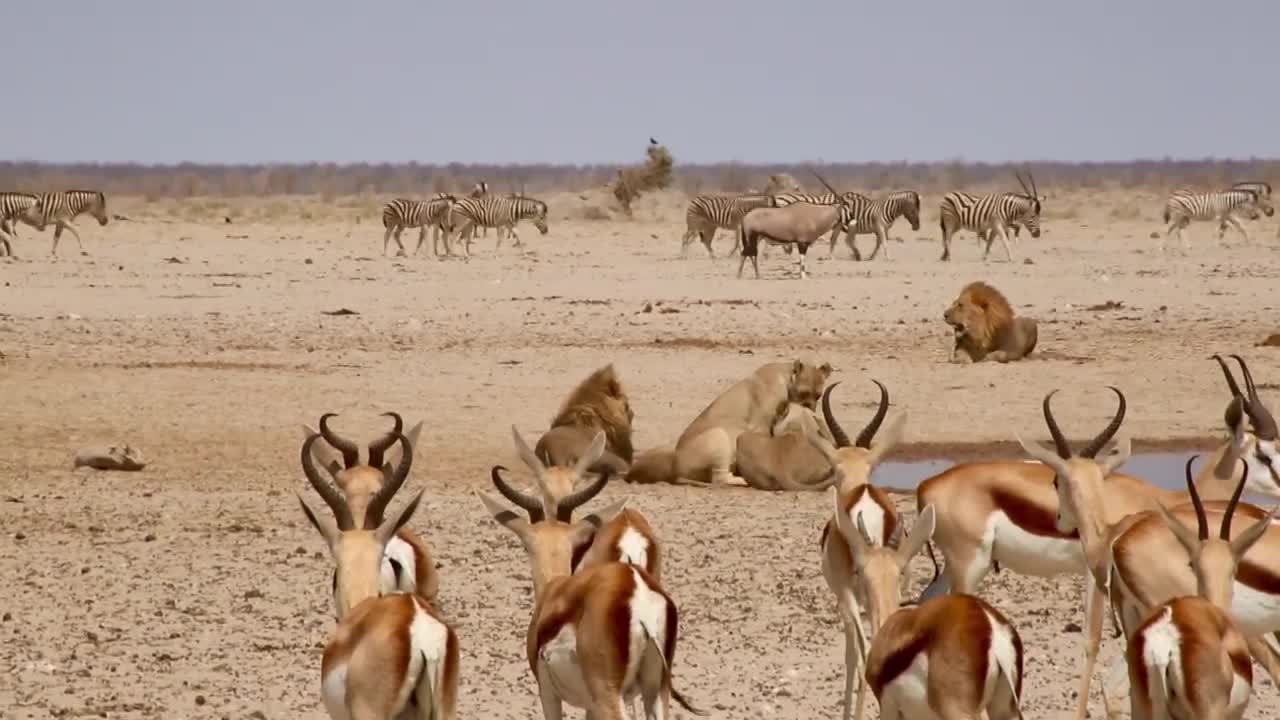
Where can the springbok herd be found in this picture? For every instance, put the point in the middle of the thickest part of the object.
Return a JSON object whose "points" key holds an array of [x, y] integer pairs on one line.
{"points": [[1192, 578], [791, 219]]}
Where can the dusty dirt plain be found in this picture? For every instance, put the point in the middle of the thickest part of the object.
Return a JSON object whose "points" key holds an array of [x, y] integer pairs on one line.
{"points": [[195, 589]]}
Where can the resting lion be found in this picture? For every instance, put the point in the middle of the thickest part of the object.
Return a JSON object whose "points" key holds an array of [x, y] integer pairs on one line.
{"points": [[706, 451], [599, 403], [788, 459], [986, 328]]}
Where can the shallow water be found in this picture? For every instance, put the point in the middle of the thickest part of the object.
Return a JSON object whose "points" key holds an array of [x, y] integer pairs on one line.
{"points": [[1163, 469]]}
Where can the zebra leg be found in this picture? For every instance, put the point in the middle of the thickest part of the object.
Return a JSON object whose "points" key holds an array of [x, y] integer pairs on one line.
{"points": [[77, 237], [386, 238], [422, 239], [706, 236], [57, 235], [1235, 223], [1004, 240], [514, 236], [946, 242], [835, 235]]}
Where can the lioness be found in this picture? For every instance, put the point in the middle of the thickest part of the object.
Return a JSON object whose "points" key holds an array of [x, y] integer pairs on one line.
{"points": [[597, 404], [985, 327], [706, 450], [788, 459]]}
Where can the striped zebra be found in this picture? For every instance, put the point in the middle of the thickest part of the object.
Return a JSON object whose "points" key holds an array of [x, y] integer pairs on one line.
{"points": [[15, 207], [480, 189], [497, 211], [1264, 191], [402, 213], [1228, 207], [990, 216], [60, 208], [876, 216], [708, 213]]}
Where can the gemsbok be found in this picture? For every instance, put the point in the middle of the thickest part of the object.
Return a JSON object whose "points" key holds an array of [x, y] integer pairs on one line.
{"points": [[391, 656]]}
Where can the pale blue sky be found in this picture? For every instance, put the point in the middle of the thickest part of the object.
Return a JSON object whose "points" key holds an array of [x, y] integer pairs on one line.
{"points": [[582, 81]]}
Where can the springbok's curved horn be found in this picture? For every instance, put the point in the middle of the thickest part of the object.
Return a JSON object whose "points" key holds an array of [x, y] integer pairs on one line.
{"points": [[350, 453], [837, 432], [1202, 523], [869, 432], [1226, 372], [529, 504], [1109, 431], [378, 447], [327, 492], [1264, 424], [1225, 534], [378, 503], [573, 501], [1059, 440]]}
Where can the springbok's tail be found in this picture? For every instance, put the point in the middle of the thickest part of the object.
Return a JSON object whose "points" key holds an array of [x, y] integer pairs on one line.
{"points": [[666, 674]]}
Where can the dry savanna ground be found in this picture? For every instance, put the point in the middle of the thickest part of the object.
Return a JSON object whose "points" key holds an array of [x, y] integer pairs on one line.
{"points": [[196, 589]]}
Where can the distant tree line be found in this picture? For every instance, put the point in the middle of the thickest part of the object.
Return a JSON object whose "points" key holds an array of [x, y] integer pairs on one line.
{"points": [[416, 179]]}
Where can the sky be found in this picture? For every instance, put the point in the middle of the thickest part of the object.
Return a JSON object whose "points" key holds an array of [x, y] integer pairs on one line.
{"points": [[589, 81]]}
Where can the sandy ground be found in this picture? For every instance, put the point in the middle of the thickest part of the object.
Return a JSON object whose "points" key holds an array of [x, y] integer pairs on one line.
{"points": [[196, 589]]}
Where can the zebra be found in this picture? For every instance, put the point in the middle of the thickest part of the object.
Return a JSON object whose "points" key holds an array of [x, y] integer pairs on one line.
{"points": [[480, 189], [60, 208], [876, 216], [402, 213], [1261, 187], [15, 206], [708, 213], [1226, 206], [990, 216], [497, 211]]}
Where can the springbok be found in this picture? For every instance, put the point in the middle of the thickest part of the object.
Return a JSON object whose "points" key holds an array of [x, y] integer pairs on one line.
{"points": [[952, 657], [574, 647], [1005, 511], [868, 507], [390, 656], [407, 565], [1138, 585], [1188, 659]]}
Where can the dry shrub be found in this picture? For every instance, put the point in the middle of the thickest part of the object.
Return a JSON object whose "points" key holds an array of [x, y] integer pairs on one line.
{"points": [[654, 174], [781, 183], [1126, 211]]}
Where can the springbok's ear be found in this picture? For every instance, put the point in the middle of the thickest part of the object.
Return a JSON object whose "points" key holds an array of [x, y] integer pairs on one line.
{"points": [[504, 515], [327, 530], [887, 438], [592, 455], [1241, 543], [1119, 454], [1043, 454], [392, 525], [920, 534], [1185, 536], [526, 454]]}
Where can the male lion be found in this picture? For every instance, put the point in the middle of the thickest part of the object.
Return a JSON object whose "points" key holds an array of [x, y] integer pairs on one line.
{"points": [[986, 328], [597, 404], [706, 451]]}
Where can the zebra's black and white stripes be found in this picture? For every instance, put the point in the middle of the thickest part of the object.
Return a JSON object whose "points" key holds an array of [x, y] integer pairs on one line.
{"points": [[16, 207], [499, 212], [708, 213], [60, 208], [402, 213], [1228, 207], [989, 216], [876, 216]]}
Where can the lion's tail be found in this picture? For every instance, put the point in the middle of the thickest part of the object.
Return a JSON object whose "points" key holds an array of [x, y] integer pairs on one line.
{"points": [[654, 466]]}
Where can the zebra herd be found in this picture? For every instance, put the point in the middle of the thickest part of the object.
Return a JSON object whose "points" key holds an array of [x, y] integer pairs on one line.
{"points": [[449, 215], [991, 216], [37, 211]]}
